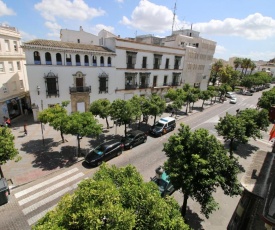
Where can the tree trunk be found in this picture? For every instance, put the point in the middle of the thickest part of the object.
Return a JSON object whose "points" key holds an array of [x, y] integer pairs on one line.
{"points": [[155, 119], [231, 148], [186, 111], [184, 205], [78, 146], [107, 123], [202, 105], [125, 129], [62, 136], [1, 172]]}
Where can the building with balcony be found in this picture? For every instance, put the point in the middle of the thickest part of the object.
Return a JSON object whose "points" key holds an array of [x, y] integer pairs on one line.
{"points": [[82, 72], [14, 97]]}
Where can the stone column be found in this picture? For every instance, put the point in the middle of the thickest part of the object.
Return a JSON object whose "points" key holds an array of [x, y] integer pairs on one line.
{"points": [[35, 110]]}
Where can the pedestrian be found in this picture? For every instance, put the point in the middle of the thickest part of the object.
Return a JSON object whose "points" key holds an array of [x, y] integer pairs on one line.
{"points": [[7, 121], [172, 113], [25, 130]]}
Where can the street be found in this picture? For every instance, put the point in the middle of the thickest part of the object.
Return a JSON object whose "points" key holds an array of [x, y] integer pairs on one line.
{"points": [[33, 200]]}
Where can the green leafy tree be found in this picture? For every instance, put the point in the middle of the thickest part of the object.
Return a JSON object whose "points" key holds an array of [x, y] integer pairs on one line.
{"points": [[82, 124], [197, 164], [213, 92], [101, 108], [117, 199], [122, 112], [237, 63], [157, 106], [204, 95], [215, 71], [56, 116], [136, 102], [239, 128], [7, 148]]}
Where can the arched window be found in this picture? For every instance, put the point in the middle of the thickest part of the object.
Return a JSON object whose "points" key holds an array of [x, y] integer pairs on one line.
{"points": [[77, 59], [94, 61], [68, 59], [101, 61], [58, 59], [109, 62], [48, 58], [86, 60], [36, 57]]}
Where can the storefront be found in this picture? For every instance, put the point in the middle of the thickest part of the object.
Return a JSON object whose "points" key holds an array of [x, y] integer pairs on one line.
{"points": [[16, 106]]}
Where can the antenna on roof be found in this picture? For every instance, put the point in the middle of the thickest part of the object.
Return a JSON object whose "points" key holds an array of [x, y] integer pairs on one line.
{"points": [[174, 14]]}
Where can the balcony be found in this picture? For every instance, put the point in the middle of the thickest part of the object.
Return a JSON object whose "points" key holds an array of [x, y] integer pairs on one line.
{"points": [[80, 89], [156, 66], [129, 87], [130, 66], [175, 83], [143, 86], [176, 66]]}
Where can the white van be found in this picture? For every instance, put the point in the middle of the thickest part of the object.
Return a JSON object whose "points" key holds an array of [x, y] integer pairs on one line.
{"points": [[163, 126]]}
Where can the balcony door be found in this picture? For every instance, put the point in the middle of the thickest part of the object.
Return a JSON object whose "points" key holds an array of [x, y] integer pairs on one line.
{"points": [[79, 84]]}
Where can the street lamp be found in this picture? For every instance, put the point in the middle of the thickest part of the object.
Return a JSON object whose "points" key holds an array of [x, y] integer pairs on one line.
{"points": [[38, 90]]}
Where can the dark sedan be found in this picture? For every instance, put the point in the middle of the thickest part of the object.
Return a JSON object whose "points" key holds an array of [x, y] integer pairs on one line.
{"points": [[104, 152], [133, 138]]}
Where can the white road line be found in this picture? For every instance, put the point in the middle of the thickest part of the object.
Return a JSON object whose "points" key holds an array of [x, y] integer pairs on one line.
{"points": [[49, 189], [35, 218], [33, 188], [48, 199], [265, 142]]}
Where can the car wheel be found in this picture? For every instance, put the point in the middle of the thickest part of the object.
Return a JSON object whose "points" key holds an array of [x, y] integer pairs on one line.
{"points": [[131, 146], [119, 153], [144, 141]]}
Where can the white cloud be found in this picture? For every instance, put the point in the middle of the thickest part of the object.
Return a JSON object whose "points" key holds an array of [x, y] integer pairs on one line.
{"points": [[67, 9], [220, 49], [253, 55], [26, 36], [54, 27], [97, 28], [4, 10], [150, 17], [253, 27], [119, 1]]}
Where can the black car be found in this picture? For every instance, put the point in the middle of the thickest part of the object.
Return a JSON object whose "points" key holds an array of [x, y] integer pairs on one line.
{"points": [[133, 138], [104, 152]]}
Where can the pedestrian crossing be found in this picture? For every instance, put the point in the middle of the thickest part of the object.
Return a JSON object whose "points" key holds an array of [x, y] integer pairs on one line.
{"points": [[38, 199]]}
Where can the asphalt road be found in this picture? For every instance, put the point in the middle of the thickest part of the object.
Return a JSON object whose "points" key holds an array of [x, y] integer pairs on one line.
{"points": [[145, 157]]}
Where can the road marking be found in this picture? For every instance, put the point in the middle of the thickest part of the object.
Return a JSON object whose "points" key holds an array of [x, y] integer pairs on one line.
{"points": [[37, 217], [49, 189], [33, 188], [48, 199], [31, 208], [265, 142]]}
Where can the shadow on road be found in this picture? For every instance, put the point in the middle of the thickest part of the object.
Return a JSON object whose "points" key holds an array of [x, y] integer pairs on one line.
{"points": [[193, 220]]}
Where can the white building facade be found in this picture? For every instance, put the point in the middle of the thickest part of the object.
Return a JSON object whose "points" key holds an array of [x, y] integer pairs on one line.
{"points": [[14, 97], [82, 73]]}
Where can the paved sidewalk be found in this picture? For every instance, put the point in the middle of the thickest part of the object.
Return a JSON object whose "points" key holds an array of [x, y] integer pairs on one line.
{"points": [[42, 156]]}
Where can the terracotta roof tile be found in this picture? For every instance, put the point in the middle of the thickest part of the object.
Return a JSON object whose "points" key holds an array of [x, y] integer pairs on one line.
{"points": [[65, 45]]}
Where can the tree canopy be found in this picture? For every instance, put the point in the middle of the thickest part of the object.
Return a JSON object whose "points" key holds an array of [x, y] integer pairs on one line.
{"points": [[7, 148], [156, 106], [56, 116], [101, 108], [244, 125], [115, 198], [197, 164]]}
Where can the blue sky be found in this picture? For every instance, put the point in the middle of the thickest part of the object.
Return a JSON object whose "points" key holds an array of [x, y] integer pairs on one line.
{"points": [[242, 28]]}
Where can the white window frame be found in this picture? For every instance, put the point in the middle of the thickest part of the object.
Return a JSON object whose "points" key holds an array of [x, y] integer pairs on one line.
{"points": [[7, 45], [21, 84], [11, 69], [15, 46], [18, 65], [2, 68], [5, 88]]}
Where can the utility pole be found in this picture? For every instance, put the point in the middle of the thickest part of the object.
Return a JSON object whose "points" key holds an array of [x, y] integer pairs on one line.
{"points": [[174, 14]]}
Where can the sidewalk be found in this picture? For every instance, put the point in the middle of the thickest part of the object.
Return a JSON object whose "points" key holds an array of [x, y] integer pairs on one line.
{"points": [[42, 156]]}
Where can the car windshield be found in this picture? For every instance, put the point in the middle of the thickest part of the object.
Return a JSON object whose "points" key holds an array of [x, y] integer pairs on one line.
{"points": [[162, 184], [99, 150], [159, 125], [130, 136]]}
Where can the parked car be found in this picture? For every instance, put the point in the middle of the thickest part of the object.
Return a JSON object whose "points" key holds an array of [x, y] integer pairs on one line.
{"points": [[133, 138], [230, 94], [162, 180], [104, 152], [247, 93], [163, 126], [233, 100]]}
